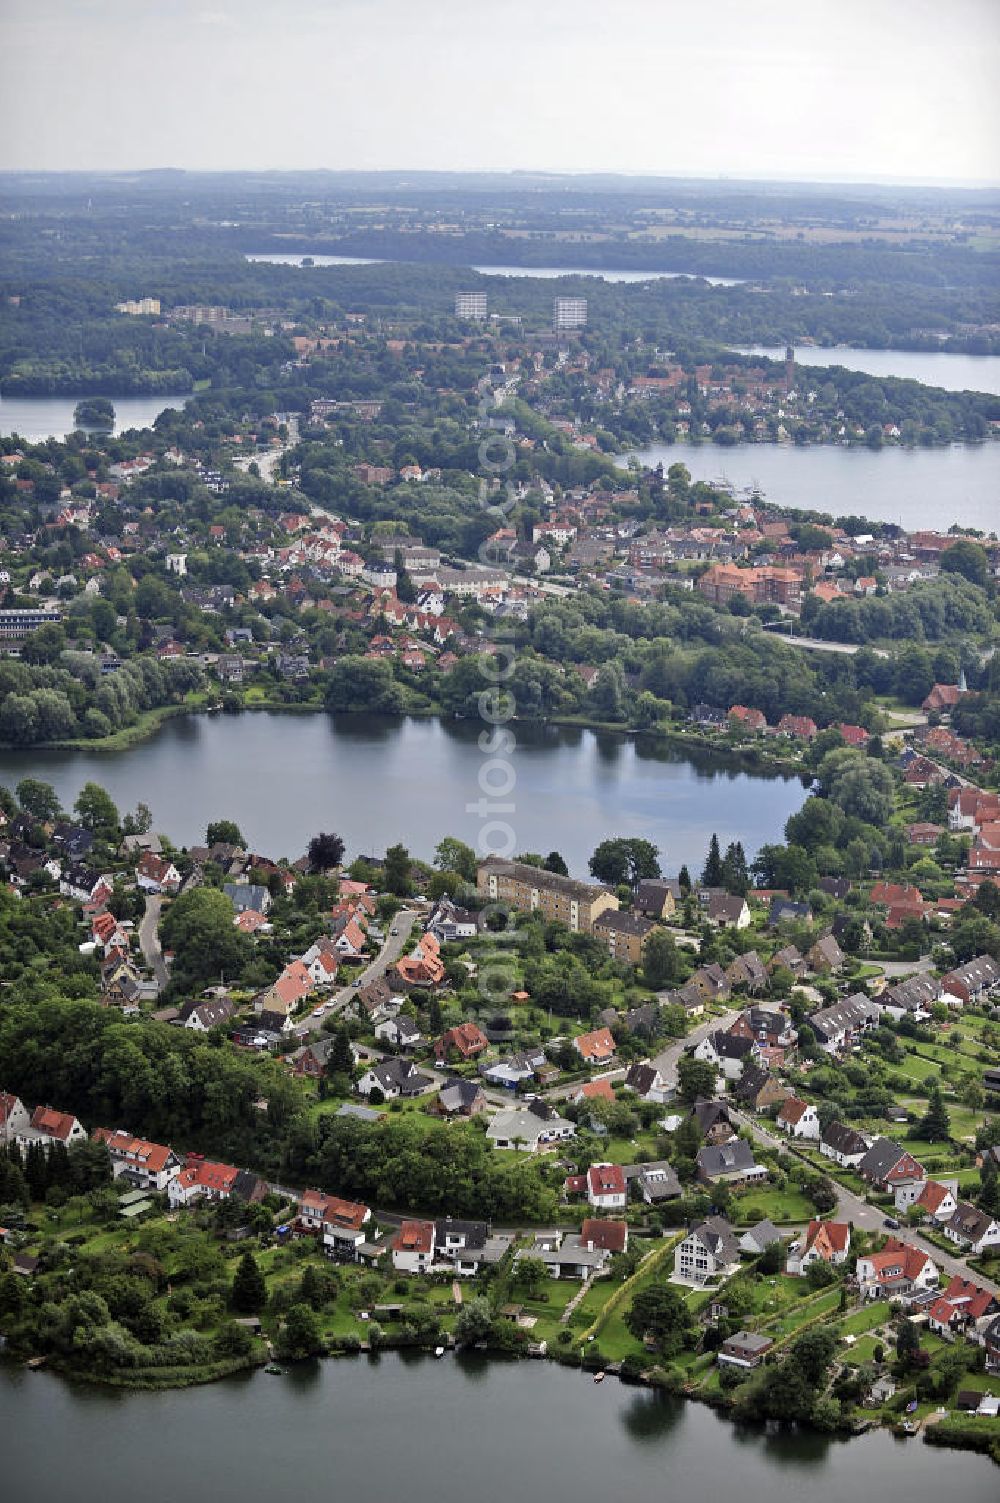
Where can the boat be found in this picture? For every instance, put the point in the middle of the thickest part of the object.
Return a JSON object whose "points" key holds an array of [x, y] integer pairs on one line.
{"points": [[599, 1377], [439, 1351], [272, 1367]]}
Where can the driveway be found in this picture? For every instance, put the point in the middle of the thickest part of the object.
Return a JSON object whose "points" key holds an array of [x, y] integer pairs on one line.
{"points": [[149, 939], [854, 1208], [393, 947]]}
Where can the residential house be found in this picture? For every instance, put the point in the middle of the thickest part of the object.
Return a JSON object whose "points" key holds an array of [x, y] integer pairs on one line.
{"points": [[886, 1165], [157, 874], [746, 1349], [413, 1247], [823, 1242], [647, 1082], [202, 1016], [400, 1032], [798, 1118], [657, 899], [653, 1182], [714, 1122], [709, 1251], [727, 1052], [747, 973], [201, 1179], [845, 1145], [898, 1271], [596, 1048], [839, 1026], [248, 897], [936, 1200], [466, 1041], [394, 1078], [970, 982], [785, 911], [14, 1117], [725, 909], [47, 1126], [625, 934], [759, 1237], [449, 923], [533, 1128], [606, 1188], [342, 1228], [972, 1229], [757, 1089], [961, 1306], [825, 955], [788, 958], [146, 1166], [731, 1163], [460, 1098], [766, 1025]]}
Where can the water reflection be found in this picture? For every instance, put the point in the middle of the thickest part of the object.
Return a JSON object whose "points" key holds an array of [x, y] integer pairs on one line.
{"points": [[651, 1415]]}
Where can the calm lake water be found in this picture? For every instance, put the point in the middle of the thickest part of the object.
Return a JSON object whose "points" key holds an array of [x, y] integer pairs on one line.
{"points": [[953, 372], [546, 273], [912, 487], [376, 780], [39, 418], [439, 1432]]}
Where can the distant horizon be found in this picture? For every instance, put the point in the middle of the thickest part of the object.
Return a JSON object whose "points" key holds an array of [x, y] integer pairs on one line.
{"points": [[835, 91], [630, 174]]}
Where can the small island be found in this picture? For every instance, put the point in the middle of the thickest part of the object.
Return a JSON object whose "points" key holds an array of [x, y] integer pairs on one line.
{"points": [[94, 412]]}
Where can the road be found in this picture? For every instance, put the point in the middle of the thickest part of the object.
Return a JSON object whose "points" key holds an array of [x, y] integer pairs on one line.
{"points": [[854, 1208], [149, 939], [393, 947], [818, 645]]}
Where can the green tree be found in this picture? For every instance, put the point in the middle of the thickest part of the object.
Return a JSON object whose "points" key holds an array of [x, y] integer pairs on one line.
{"points": [[300, 1335], [397, 871], [935, 1124], [660, 1312], [198, 927], [969, 559], [453, 855], [474, 1322], [695, 1079], [224, 832], [249, 1292], [661, 962], [555, 863], [622, 859], [96, 811], [712, 873], [38, 798]]}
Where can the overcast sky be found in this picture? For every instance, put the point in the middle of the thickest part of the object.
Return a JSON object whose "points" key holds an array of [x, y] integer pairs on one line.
{"points": [[854, 89]]}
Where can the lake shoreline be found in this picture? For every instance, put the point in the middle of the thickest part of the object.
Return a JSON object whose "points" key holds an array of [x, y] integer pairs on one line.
{"points": [[750, 758], [654, 1378]]}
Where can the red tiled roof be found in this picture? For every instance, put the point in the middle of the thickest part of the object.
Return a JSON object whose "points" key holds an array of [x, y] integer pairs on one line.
{"points": [[611, 1236]]}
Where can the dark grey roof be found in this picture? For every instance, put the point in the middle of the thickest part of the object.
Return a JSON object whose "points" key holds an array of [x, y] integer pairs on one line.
{"points": [[708, 1113], [751, 1082], [734, 1157], [718, 1236], [845, 1139], [880, 1158]]}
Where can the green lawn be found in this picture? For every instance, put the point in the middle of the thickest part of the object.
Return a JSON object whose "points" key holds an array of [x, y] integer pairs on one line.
{"points": [[780, 1206], [871, 1315]]}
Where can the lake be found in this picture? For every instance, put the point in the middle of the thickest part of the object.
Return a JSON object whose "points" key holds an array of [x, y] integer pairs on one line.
{"points": [[912, 487], [377, 780], [953, 372], [439, 1432], [546, 273], [39, 418]]}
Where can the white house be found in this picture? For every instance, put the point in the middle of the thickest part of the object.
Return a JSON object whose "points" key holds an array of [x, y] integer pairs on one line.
{"points": [[147, 1166], [402, 1032], [14, 1117], [606, 1187], [897, 1271], [413, 1247], [530, 1129], [936, 1198], [821, 1242], [798, 1118], [47, 1126], [727, 1052], [709, 1251], [844, 1145], [972, 1229]]}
